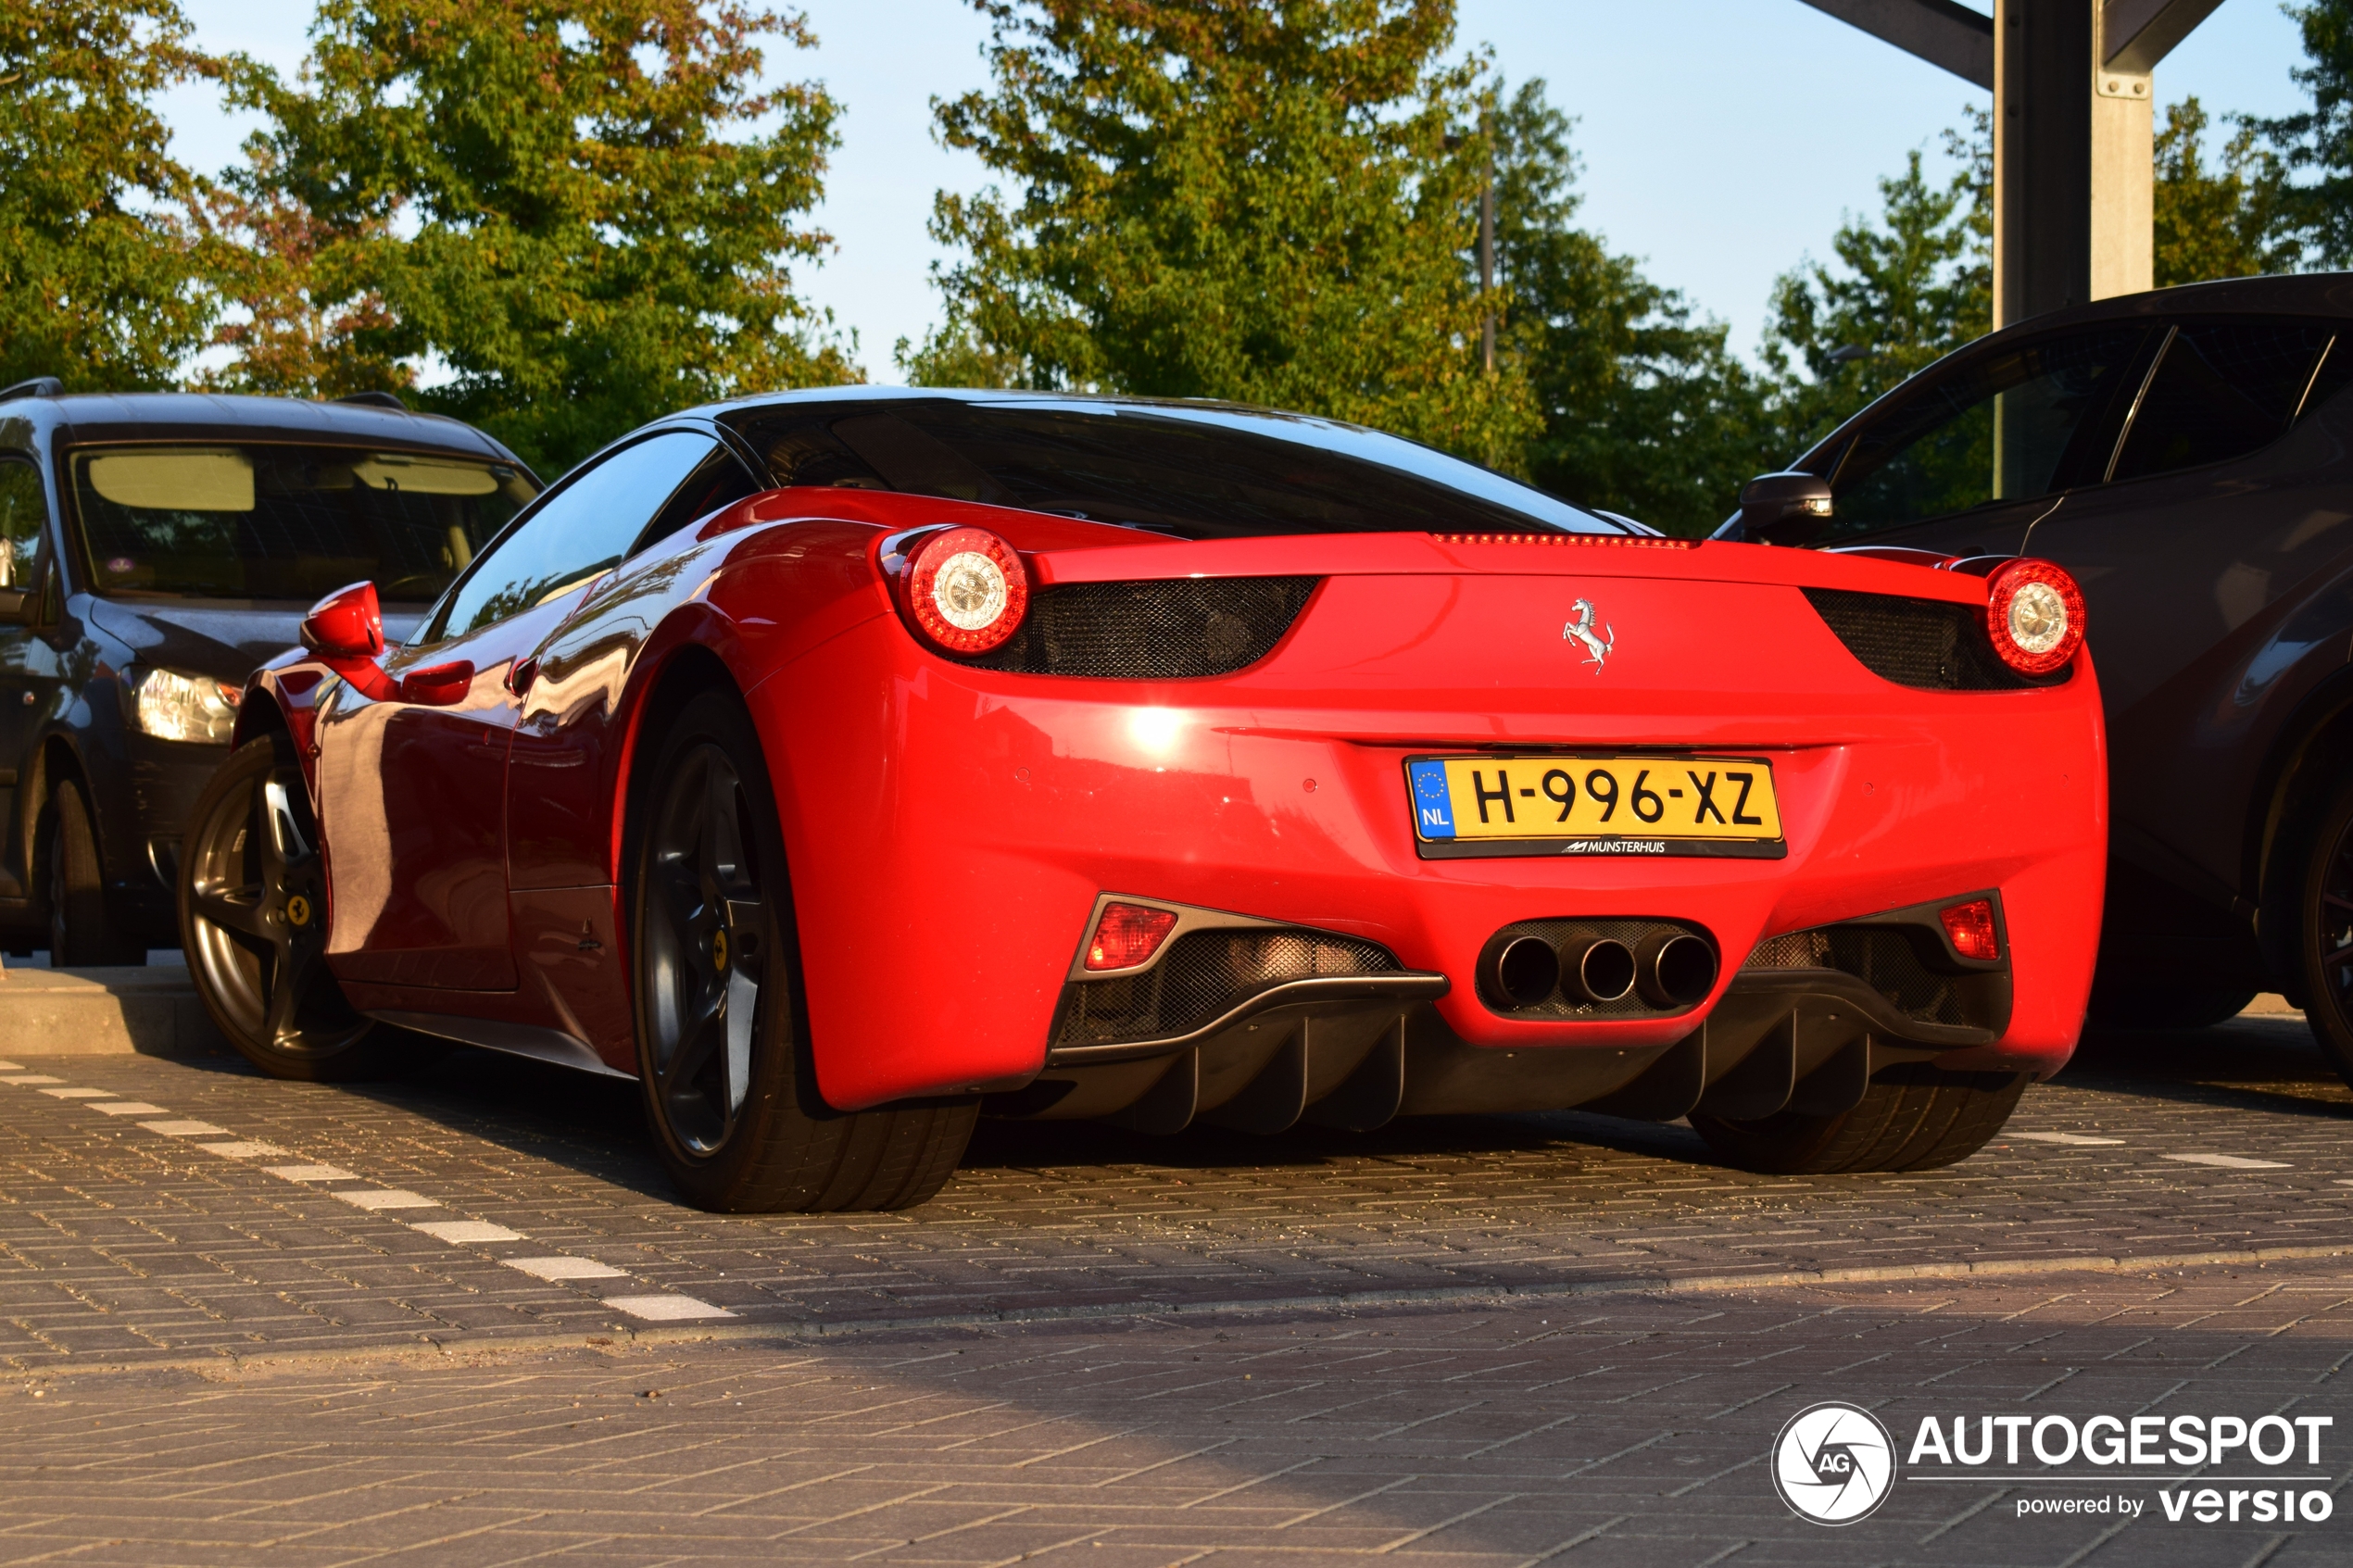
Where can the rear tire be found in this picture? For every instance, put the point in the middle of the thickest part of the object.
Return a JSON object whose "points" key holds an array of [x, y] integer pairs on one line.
{"points": [[723, 1033], [82, 935], [2158, 1008], [1912, 1118], [2324, 932], [253, 922]]}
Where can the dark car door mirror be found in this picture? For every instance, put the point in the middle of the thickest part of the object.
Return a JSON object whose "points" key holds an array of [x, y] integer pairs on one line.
{"points": [[1786, 508], [347, 623]]}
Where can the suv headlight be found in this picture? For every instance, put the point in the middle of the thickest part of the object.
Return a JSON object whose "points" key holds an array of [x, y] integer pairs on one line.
{"points": [[173, 705]]}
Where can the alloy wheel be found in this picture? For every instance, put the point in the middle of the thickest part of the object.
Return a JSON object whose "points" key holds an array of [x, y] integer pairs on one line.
{"points": [[704, 941], [258, 920]]}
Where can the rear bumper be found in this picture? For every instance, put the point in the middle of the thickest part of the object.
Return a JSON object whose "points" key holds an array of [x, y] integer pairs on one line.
{"points": [[950, 830]]}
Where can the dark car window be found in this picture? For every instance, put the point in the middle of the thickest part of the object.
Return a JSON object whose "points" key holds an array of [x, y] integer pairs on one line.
{"points": [[23, 512], [2221, 391], [270, 522], [721, 481], [582, 531], [1202, 471], [2034, 419]]}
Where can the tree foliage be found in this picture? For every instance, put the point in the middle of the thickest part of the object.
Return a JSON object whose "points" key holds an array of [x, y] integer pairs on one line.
{"points": [[1645, 409], [2226, 222], [1272, 201], [106, 261], [2320, 141], [585, 210]]}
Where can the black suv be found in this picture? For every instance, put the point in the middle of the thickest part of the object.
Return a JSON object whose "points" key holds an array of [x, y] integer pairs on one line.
{"points": [[154, 548], [2188, 455]]}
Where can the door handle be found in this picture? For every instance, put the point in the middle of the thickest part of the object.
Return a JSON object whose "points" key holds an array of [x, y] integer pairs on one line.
{"points": [[519, 679]]}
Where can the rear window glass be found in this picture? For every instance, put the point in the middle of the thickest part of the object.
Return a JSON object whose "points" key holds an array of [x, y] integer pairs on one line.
{"points": [[266, 521], [1205, 472]]}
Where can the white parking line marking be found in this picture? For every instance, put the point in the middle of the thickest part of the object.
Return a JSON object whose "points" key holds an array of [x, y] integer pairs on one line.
{"points": [[387, 1197], [564, 1268], [2230, 1162], [240, 1150], [187, 1129], [457, 1231], [311, 1173], [11, 1066], [2060, 1137], [33, 1078], [665, 1309], [80, 1094], [127, 1107]]}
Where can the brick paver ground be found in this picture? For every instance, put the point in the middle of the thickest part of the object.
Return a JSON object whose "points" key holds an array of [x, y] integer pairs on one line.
{"points": [[1477, 1341]]}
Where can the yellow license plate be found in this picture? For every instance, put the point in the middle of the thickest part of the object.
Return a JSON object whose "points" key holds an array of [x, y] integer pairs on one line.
{"points": [[1481, 806]]}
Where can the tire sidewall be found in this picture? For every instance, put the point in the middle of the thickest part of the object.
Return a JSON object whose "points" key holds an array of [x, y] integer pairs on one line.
{"points": [[2325, 1008], [781, 1080]]}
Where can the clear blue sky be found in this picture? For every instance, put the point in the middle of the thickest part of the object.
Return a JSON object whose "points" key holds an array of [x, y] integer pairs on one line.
{"points": [[1722, 140]]}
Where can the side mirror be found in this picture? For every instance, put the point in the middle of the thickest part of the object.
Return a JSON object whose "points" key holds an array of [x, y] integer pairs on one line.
{"points": [[347, 623], [1785, 509]]}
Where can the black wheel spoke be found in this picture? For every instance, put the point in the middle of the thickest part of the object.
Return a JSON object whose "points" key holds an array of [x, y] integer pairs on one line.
{"points": [[238, 909]]}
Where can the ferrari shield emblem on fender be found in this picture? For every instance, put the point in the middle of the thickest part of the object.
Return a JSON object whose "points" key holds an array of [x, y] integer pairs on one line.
{"points": [[1580, 629]]}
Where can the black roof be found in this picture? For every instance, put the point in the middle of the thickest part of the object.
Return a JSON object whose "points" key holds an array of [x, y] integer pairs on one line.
{"points": [[95, 416]]}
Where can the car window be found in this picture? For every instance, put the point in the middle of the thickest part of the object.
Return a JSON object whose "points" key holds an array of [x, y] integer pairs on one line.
{"points": [[285, 521], [581, 531], [23, 512], [721, 481], [2029, 420], [1198, 471], [2222, 390]]}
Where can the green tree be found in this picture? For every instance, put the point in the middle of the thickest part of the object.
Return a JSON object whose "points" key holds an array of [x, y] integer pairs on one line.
{"points": [[1645, 409], [106, 263], [1272, 201], [1909, 288], [2231, 223], [2319, 210], [585, 209]]}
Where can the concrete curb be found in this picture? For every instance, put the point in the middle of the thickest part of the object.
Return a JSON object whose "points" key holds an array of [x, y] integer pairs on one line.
{"points": [[458, 1350], [148, 1010]]}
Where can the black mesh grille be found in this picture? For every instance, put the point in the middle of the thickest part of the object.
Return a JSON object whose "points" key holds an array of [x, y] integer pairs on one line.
{"points": [[1923, 643], [1885, 961], [1158, 631], [1206, 974]]}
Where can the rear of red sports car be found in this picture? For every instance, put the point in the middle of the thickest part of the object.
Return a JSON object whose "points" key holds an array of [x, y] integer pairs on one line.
{"points": [[1341, 826], [846, 765]]}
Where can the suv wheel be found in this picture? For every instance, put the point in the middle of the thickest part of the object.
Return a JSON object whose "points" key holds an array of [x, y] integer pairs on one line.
{"points": [[82, 932], [2324, 933]]}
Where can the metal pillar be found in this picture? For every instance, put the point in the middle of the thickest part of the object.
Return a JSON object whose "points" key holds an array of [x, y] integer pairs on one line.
{"points": [[2073, 130]]}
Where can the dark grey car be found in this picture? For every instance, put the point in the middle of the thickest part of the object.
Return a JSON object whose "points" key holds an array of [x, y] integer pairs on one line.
{"points": [[2188, 455], [154, 548]]}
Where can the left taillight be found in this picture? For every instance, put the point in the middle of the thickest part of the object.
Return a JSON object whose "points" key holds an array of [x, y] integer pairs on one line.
{"points": [[964, 590], [2034, 614]]}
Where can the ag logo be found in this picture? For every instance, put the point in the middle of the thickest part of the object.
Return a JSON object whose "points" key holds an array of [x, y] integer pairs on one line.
{"points": [[1833, 1463]]}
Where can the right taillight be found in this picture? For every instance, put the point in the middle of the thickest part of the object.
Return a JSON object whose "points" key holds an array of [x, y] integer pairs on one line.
{"points": [[2034, 613], [966, 590], [1970, 927], [1127, 934]]}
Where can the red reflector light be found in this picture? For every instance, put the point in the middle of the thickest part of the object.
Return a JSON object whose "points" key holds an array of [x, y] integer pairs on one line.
{"points": [[1971, 927], [1127, 934], [2034, 614]]}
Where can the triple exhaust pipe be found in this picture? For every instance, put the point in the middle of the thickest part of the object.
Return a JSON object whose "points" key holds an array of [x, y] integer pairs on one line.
{"points": [[1669, 968]]}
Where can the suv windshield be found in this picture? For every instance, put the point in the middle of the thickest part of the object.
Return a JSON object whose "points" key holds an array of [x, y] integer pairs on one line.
{"points": [[1199, 472], [269, 522]]}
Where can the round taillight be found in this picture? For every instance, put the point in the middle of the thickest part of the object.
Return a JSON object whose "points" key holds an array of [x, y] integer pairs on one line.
{"points": [[2034, 612], [966, 589]]}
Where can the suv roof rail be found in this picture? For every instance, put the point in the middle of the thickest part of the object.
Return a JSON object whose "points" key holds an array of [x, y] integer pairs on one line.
{"points": [[39, 386], [373, 400]]}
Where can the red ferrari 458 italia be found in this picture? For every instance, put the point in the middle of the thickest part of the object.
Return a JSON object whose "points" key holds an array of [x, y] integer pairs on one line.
{"points": [[846, 766]]}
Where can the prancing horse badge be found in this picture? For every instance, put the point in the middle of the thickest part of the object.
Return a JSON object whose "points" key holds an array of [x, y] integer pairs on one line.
{"points": [[1580, 628]]}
